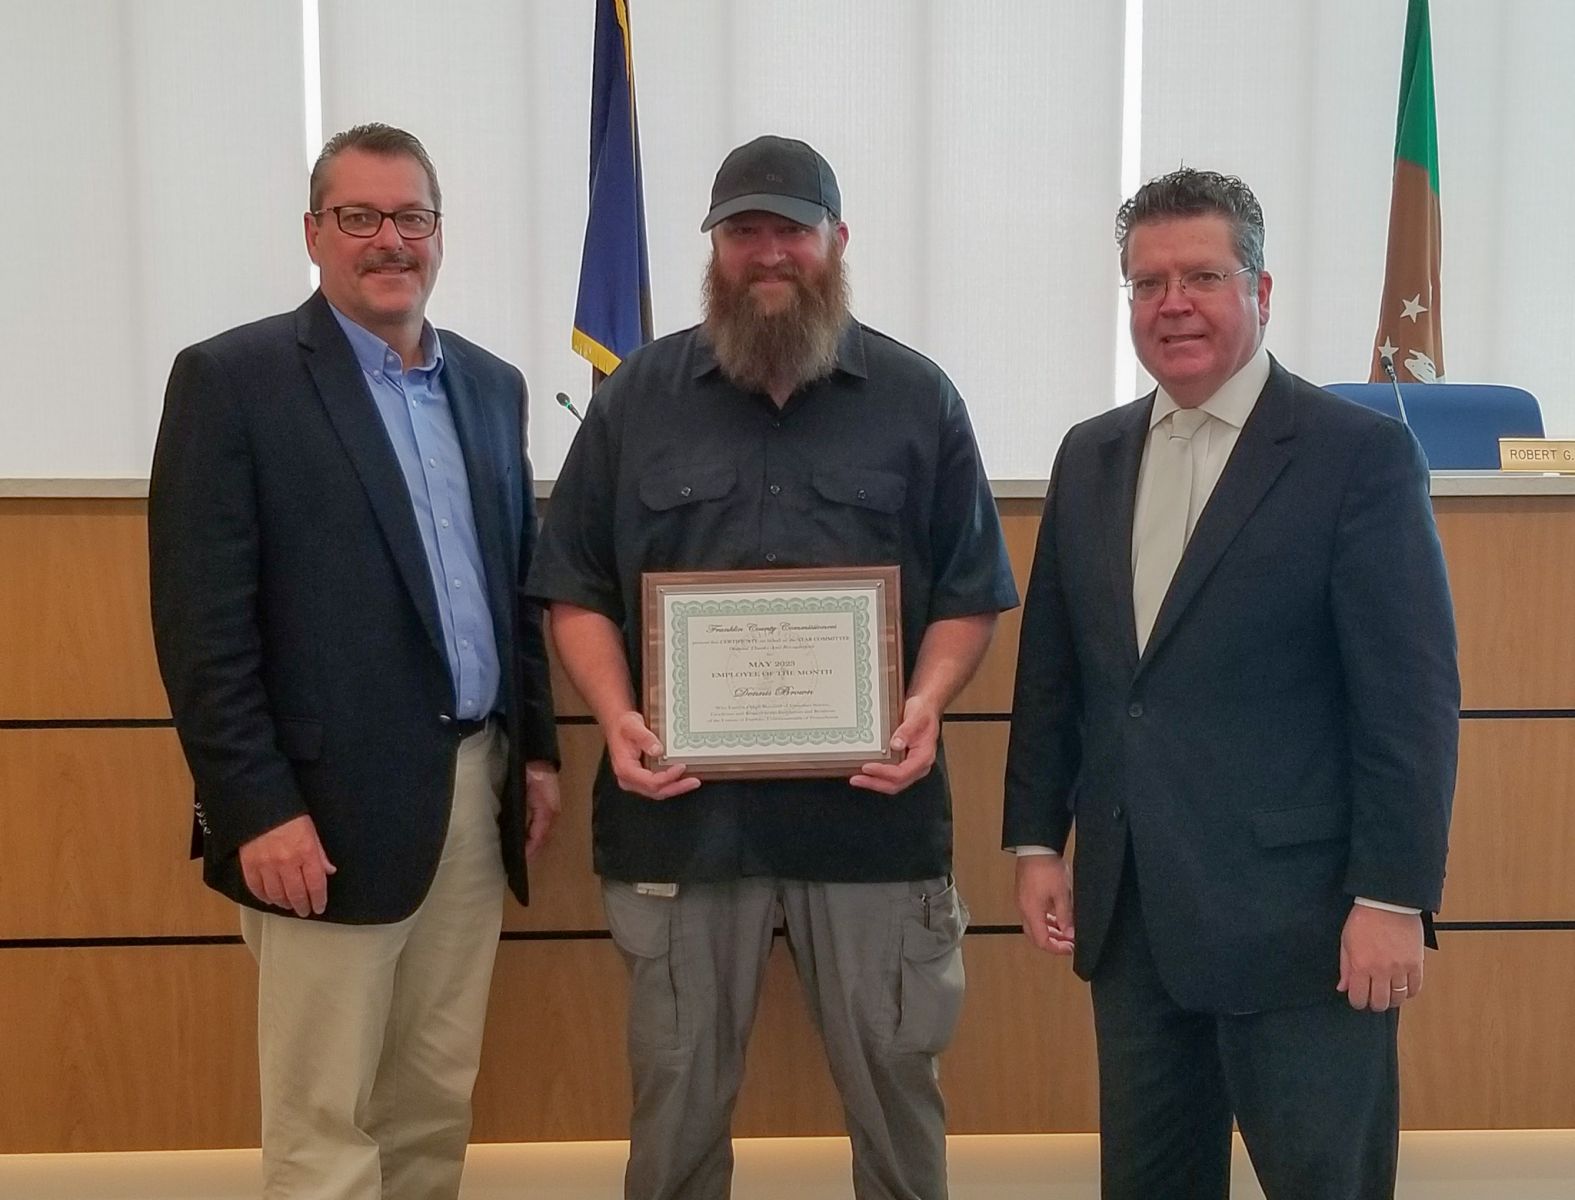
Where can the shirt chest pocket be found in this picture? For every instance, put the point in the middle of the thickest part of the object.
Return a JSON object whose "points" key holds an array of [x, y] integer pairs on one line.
{"points": [[688, 514], [859, 512], [682, 487]]}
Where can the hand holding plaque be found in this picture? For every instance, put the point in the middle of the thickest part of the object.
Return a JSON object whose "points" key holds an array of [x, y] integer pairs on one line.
{"points": [[773, 674]]}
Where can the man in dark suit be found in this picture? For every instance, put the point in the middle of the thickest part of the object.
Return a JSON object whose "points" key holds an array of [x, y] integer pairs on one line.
{"points": [[340, 517], [1238, 675]]}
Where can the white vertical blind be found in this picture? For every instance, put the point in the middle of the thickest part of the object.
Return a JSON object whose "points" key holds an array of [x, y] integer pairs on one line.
{"points": [[156, 146], [1299, 99], [1506, 113], [498, 93], [977, 147], [1025, 173], [153, 198]]}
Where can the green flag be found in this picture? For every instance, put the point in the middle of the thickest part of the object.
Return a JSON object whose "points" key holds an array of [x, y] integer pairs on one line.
{"points": [[1410, 331]]}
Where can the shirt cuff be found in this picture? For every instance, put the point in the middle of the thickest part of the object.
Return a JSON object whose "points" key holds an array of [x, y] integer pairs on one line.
{"points": [[1032, 851], [1394, 908]]}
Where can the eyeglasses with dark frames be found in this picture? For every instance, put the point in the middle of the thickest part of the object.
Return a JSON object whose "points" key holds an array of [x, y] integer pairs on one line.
{"points": [[362, 221]]}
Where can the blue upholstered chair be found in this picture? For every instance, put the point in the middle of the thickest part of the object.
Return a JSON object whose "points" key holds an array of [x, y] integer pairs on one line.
{"points": [[1458, 424]]}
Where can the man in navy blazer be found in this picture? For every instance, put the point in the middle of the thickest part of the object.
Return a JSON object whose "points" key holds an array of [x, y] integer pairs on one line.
{"points": [[1238, 678], [340, 519]]}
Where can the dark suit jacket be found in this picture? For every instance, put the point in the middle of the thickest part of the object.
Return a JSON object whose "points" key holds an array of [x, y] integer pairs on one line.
{"points": [[294, 615], [1287, 740]]}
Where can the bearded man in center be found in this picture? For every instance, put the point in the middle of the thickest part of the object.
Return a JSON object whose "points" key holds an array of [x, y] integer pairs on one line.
{"points": [[780, 432]]}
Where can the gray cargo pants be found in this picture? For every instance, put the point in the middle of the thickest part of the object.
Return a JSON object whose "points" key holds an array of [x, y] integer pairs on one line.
{"points": [[881, 966]]}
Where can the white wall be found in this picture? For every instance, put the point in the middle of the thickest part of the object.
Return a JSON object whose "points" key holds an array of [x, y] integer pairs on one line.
{"points": [[1299, 99], [151, 194], [158, 166]]}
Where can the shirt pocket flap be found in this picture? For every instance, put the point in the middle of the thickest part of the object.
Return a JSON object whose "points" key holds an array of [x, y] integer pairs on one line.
{"points": [[883, 491], [299, 739], [1293, 826], [677, 486]]}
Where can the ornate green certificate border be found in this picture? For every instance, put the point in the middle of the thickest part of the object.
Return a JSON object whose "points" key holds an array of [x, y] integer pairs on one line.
{"points": [[848, 725]]}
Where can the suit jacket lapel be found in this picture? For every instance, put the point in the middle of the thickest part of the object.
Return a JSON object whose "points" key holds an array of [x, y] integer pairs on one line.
{"points": [[1121, 454], [481, 446], [1261, 454], [355, 419]]}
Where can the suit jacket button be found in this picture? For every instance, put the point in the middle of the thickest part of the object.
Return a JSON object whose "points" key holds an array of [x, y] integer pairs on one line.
{"points": [[1117, 813], [445, 719], [1135, 709]]}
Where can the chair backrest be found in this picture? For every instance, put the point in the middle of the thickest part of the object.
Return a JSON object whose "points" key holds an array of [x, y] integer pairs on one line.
{"points": [[1458, 424]]}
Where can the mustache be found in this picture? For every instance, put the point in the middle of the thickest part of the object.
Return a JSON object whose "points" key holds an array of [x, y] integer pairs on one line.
{"points": [[386, 258], [786, 273]]}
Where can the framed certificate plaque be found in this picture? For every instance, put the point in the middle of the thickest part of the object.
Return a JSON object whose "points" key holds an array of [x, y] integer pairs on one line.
{"points": [[773, 674]]}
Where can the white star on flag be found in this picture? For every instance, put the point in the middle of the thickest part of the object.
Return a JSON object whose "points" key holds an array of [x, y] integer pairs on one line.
{"points": [[1388, 349], [1413, 306]]}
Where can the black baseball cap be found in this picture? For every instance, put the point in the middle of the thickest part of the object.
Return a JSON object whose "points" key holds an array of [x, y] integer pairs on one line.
{"points": [[775, 175]]}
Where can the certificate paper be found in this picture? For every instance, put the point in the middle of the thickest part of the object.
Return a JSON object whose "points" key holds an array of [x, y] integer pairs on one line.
{"points": [[773, 673]]}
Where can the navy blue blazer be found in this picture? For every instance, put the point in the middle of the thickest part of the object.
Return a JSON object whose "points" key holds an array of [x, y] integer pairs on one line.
{"points": [[293, 612], [1286, 741]]}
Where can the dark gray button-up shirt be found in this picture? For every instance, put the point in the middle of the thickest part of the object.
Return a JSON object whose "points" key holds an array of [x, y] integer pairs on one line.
{"points": [[676, 468]]}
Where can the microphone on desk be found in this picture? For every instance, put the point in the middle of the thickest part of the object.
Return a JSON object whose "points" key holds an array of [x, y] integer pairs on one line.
{"points": [[563, 399], [1389, 370]]}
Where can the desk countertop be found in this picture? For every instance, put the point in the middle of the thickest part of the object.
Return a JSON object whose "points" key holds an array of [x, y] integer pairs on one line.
{"points": [[1445, 483]]}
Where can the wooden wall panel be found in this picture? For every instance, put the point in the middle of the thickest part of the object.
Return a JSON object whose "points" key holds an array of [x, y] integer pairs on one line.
{"points": [[151, 1046], [1488, 1044], [94, 834], [1512, 839], [127, 1048], [554, 1065], [100, 851], [1512, 574], [74, 615], [75, 635], [566, 699], [564, 893], [975, 753], [990, 690], [1023, 1060]]}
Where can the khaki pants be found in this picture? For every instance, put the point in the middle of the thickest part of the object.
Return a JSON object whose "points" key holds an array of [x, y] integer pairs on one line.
{"points": [[881, 968], [369, 1036]]}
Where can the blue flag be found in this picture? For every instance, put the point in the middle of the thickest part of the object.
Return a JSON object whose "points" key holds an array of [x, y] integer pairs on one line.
{"points": [[613, 315]]}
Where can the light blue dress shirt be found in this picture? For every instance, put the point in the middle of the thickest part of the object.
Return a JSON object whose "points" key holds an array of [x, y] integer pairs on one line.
{"points": [[420, 424]]}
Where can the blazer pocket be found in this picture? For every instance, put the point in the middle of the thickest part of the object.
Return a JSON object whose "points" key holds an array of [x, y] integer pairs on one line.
{"points": [[1294, 826], [298, 738]]}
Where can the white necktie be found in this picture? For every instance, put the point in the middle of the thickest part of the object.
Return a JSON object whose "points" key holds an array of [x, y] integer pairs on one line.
{"points": [[1166, 522]]}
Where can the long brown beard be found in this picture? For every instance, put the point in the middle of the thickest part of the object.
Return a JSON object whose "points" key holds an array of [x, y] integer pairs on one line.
{"points": [[787, 349]]}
